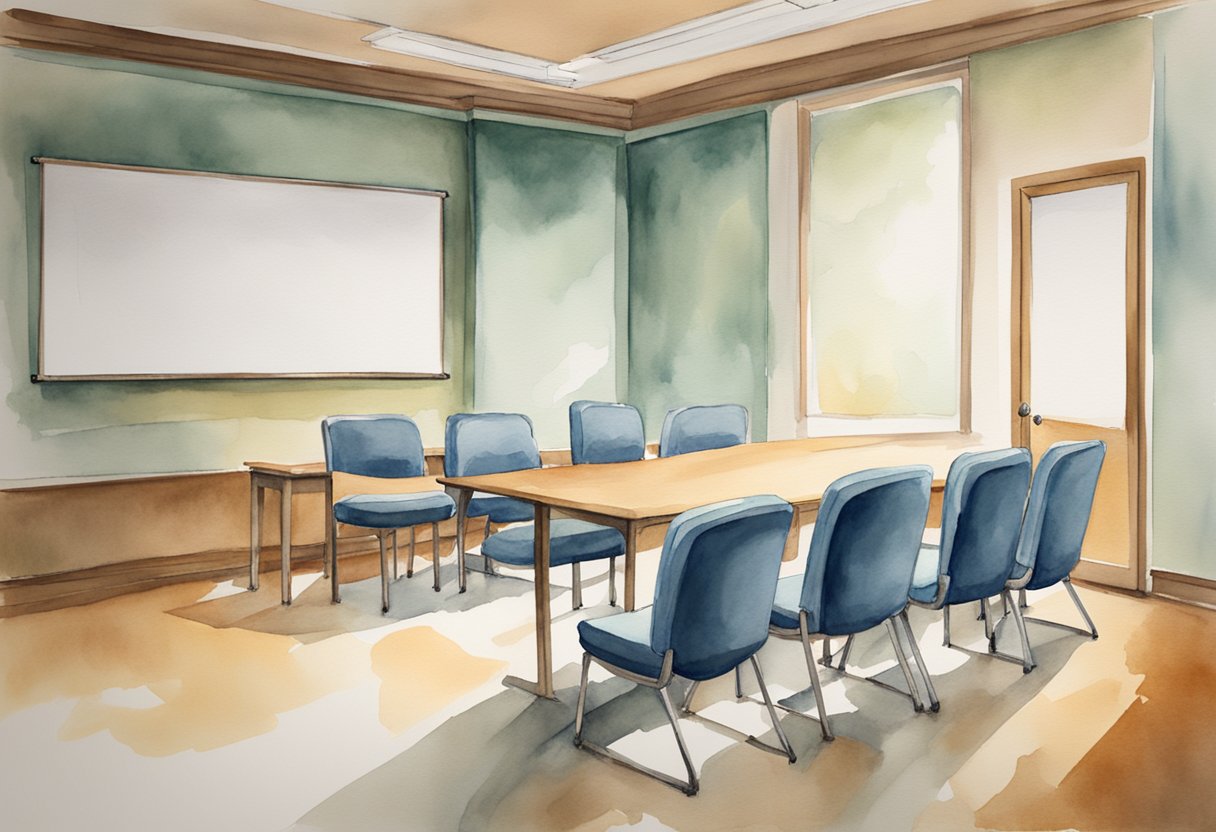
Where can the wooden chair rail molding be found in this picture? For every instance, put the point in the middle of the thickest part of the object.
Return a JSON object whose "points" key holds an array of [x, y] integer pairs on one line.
{"points": [[863, 61]]}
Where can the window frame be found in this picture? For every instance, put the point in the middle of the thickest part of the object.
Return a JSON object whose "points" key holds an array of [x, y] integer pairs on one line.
{"points": [[819, 425]]}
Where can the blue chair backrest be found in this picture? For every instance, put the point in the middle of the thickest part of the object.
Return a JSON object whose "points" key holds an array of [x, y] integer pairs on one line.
{"points": [[1057, 512], [373, 446], [488, 443], [981, 521], [703, 428], [605, 432], [716, 582], [864, 548]]}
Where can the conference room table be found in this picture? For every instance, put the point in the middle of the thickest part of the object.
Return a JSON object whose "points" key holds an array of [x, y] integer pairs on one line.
{"points": [[634, 496]]}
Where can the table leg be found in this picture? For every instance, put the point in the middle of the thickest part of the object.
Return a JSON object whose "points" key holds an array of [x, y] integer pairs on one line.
{"points": [[331, 532], [463, 495], [631, 563], [544, 627], [285, 540], [256, 496], [327, 554]]}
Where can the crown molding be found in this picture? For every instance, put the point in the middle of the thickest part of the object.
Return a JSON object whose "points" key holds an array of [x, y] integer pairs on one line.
{"points": [[750, 24], [859, 63], [864, 62], [36, 30]]}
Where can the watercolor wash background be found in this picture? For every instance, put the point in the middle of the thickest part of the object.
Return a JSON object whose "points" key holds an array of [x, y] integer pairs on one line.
{"points": [[656, 246], [696, 219]]}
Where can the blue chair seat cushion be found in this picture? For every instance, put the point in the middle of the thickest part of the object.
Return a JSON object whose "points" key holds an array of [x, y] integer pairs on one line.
{"points": [[500, 509], [787, 602], [570, 541], [394, 511], [622, 641], [924, 576]]}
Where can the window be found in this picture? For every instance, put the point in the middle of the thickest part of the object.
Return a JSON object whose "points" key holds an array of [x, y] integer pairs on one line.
{"points": [[883, 262]]}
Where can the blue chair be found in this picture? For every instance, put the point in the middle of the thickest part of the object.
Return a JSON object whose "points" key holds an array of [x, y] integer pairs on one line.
{"points": [[601, 433], [859, 567], [1057, 514], [703, 428], [391, 447], [981, 519], [495, 443], [604, 432], [715, 587]]}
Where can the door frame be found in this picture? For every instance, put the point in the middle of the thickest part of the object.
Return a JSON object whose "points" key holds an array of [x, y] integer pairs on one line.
{"points": [[1132, 172]]}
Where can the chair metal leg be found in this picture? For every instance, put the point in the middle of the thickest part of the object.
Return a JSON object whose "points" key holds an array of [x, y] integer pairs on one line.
{"points": [[913, 690], [383, 573], [1076, 599], [738, 681], [1028, 663], [825, 653], [946, 625], [612, 582], [772, 712], [395, 573], [935, 704], [824, 728], [686, 705], [487, 566], [435, 553], [576, 591], [694, 784], [409, 563], [582, 702], [1022, 598], [844, 653], [989, 625]]}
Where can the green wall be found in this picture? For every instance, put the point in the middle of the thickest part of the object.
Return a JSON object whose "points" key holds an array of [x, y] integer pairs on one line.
{"points": [[127, 113], [545, 231], [1184, 294], [698, 269]]}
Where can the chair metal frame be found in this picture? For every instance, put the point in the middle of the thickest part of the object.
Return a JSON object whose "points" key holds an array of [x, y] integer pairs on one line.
{"points": [[1014, 608], [383, 535], [745, 563], [487, 562], [803, 635], [660, 684]]}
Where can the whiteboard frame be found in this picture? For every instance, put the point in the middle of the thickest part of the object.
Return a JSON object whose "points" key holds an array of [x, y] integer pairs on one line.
{"points": [[41, 376]]}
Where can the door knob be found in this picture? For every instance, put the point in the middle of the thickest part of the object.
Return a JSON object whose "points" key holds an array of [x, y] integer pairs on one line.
{"points": [[1024, 410], [1038, 420]]}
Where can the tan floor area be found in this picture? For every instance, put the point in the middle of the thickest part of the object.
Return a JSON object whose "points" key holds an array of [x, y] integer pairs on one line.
{"points": [[204, 706]]}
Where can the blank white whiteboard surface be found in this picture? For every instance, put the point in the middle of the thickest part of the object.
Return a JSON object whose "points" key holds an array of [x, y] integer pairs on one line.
{"points": [[153, 273]]}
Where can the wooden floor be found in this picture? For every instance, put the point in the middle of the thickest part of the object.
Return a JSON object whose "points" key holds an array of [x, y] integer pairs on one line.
{"points": [[204, 706]]}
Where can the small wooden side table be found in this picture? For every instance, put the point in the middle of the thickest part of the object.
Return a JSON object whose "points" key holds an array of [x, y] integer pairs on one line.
{"points": [[287, 480]]}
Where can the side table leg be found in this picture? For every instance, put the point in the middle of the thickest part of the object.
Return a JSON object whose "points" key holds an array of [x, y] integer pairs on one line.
{"points": [[327, 554], [285, 540], [256, 496]]}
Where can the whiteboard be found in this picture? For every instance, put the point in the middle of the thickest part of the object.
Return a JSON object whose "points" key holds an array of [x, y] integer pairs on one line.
{"points": [[152, 273]]}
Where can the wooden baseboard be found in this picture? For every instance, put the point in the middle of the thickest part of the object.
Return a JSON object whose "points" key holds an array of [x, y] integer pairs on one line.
{"points": [[42, 593], [1186, 588]]}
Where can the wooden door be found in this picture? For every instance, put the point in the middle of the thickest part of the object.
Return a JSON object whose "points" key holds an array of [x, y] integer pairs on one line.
{"points": [[1078, 288]]}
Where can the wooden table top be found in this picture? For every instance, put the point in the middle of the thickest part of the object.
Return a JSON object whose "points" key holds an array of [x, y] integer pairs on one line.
{"points": [[289, 470], [796, 470]]}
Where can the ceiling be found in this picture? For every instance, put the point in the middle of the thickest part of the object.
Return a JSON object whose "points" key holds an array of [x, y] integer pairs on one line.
{"points": [[551, 34]]}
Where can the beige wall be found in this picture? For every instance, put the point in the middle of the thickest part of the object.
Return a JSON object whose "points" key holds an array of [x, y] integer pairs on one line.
{"points": [[1043, 106]]}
